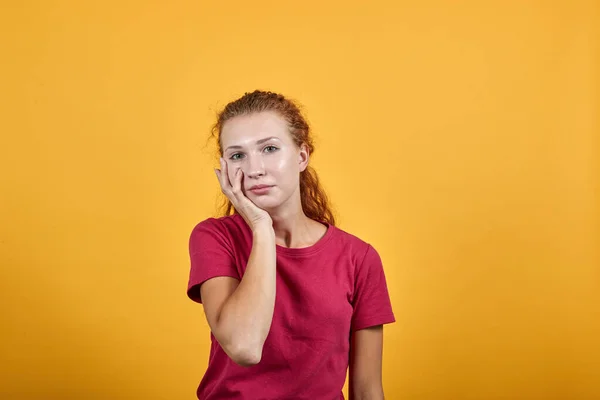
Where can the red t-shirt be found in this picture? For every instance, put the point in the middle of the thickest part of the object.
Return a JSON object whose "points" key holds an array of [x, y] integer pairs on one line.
{"points": [[323, 293]]}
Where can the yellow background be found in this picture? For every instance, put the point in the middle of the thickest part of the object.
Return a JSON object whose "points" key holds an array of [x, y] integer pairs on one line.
{"points": [[459, 138]]}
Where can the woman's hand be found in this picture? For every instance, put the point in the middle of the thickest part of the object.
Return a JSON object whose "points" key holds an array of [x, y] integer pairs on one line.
{"points": [[252, 214]]}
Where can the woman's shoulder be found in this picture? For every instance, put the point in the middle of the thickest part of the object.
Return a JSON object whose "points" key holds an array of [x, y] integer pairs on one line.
{"points": [[230, 225], [220, 223], [351, 241]]}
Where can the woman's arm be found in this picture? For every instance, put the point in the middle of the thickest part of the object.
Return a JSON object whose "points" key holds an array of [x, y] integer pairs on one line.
{"points": [[240, 314], [366, 357]]}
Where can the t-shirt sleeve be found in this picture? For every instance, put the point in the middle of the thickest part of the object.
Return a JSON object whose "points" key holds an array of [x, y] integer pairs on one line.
{"points": [[211, 255], [371, 303]]}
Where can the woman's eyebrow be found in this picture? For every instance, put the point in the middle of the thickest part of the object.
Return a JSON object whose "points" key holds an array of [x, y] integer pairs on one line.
{"points": [[257, 142]]}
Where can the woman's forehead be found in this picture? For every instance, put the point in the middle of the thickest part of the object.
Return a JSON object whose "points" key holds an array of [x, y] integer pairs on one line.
{"points": [[246, 130]]}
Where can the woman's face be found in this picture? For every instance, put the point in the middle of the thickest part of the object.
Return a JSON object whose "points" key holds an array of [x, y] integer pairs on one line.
{"points": [[261, 146]]}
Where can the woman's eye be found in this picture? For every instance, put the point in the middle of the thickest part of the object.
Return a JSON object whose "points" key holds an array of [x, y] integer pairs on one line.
{"points": [[238, 156]]}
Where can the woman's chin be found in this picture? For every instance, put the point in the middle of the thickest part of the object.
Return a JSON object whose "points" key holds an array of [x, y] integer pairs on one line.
{"points": [[264, 202]]}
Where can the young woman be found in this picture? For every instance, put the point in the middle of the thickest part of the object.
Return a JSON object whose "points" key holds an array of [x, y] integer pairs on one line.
{"points": [[292, 301]]}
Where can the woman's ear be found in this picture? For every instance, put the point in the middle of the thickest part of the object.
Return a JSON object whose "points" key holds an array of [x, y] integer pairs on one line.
{"points": [[303, 157]]}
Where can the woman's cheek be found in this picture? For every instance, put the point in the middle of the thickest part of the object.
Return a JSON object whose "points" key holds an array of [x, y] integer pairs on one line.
{"points": [[281, 164]]}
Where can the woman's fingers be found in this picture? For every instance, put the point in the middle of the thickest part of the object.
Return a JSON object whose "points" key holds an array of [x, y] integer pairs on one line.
{"points": [[230, 187], [219, 174], [222, 177], [251, 213], [224, 168], [237, 181]]}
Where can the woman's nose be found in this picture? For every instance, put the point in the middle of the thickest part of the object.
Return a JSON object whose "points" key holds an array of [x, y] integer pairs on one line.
{"points": [[255, 167]]}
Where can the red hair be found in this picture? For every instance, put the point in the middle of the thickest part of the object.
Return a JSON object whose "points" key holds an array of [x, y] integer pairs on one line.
{"points": [[315, 203]]}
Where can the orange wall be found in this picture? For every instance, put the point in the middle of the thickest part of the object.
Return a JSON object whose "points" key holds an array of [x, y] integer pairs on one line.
{"points": [[474, 126]]}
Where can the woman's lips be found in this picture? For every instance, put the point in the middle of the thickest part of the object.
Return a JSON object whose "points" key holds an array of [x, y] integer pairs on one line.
{"points": [[262, 190]]}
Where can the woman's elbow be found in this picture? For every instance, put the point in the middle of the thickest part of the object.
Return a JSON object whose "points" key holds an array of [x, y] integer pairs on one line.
{"points": [[245, 356]]}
